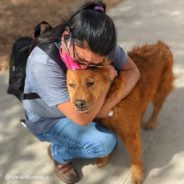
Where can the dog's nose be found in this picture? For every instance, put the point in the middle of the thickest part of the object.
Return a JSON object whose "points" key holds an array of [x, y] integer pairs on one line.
{"points": [[80, 104]]}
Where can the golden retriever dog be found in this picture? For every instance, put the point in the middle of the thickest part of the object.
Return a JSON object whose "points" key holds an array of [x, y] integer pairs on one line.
{"points": [[155, 64]]}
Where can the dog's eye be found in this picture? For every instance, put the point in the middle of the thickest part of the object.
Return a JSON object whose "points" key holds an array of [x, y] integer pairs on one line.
{"points": [[72, 85], [89, 83]]}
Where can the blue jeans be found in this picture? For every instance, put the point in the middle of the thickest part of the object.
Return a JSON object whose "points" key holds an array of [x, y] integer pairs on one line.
{"points": [[69, 140]]}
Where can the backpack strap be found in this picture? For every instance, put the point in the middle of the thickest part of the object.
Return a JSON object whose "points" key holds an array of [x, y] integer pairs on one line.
{"points": [[38, 29], [53, 52], [30, 96]]}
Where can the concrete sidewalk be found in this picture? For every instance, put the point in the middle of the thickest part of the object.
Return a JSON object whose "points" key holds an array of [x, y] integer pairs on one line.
{"points": [[138, 22]]}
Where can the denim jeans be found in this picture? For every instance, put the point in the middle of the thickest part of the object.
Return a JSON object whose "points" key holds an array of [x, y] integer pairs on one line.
{"points": [[69, 140]]}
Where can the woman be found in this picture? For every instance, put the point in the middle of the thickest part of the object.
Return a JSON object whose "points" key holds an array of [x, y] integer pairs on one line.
{"points": [[86, 39]]}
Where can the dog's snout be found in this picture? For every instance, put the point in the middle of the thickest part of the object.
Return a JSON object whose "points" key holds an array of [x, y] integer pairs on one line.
{"points": [[80, 104]]}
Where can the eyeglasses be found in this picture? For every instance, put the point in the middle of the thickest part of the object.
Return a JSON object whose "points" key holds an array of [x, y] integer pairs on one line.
{"points": [[79, 60]]}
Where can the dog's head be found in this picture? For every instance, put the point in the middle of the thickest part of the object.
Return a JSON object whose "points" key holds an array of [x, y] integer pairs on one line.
{"points": [[85, 87]]}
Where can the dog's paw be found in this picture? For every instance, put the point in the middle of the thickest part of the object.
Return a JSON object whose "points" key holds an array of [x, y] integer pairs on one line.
{"points": [[137, 180], [148, 126], [102, 162], [137, 175]]}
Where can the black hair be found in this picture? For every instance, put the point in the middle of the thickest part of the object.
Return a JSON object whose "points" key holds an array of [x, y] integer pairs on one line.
{"points": [[90, 24]]}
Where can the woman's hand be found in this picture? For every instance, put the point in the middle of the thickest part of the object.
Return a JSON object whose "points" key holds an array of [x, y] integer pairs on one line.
{"points": [[112, 73]]}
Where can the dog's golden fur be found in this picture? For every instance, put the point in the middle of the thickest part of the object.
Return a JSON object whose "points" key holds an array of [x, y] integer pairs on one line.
{"points": [[155, 65]]}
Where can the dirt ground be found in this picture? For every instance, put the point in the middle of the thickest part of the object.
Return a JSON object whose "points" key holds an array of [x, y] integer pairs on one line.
{"points": [[18, 18]]}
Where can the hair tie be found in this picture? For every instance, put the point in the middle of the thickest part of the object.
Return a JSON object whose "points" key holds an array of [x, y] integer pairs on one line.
{"points": [[99, 8]]}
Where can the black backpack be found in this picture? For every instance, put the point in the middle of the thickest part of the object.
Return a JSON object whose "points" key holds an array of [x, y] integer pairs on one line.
{"points": [[18, 60]]}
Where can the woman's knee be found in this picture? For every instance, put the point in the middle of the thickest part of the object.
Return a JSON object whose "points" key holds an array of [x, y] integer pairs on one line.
{"points": [[102, 146]]}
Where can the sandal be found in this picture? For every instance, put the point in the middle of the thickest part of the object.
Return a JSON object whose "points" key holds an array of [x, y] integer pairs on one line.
{"points": [[65, 172]]}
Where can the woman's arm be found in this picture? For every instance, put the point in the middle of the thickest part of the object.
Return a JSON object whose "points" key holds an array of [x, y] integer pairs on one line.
{"points": [[129, 76]]}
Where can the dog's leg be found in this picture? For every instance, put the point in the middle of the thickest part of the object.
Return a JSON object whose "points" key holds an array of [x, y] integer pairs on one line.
{"points": [[152, 122], [133, 145], [157, 102], [164, 88]]}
